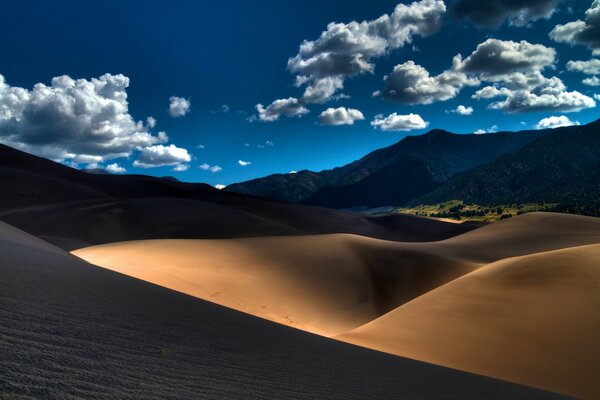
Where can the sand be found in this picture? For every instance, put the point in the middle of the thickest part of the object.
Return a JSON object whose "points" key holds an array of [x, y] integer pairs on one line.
{"points": [[72, 330], [530, 319], [362, 290]]}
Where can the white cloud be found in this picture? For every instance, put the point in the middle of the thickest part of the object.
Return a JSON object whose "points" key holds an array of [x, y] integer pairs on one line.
{"points": [[178, 106], [150, 122], [244, 163], [581, 32], [181, 167], [345, 50], [290, 107], [269, 143], [555, 122], [211, 168], [115, 168], [591, 81], [494, 59], [462, 110], [159, 155], [293, 172], [219, 186], [340, 116], [492, 14], [201, 146], [395, 122], [410, 83], [492, 129], [591, 67], [525, 101], [73, 117], [515, 69]]}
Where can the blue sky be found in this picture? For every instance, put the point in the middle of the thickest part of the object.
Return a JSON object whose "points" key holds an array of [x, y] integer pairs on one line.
{"points": [[235, 53]]}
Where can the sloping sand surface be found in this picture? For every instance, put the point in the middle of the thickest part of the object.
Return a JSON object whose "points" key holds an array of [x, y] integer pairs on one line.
{"points": [[71, 330], [326, 284], [530, 319]]}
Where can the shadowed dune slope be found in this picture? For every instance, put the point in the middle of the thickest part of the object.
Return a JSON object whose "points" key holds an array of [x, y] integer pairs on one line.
{"points": [[529, 319], [73, 209], [212, 216], [324, 284], [71, 330]]}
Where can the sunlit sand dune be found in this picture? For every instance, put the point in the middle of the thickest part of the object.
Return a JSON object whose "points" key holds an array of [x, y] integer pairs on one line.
{"points": [[326, 284], [529, 319]]}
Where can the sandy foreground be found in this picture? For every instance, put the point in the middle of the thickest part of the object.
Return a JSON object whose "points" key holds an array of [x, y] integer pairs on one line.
{"points": [[512, 300], [72, 330]]}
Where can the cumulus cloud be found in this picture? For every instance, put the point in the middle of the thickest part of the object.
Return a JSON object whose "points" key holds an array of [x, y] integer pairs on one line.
{"points": [[219, 186], [150, 122], [591, 81], [495, 59], [345, 50], [73, 118], [181, 167], [178, 106], [492, 14], [115, 168], [395, 122], [290, 107], [159, 156], [340, 116], [583, 32], [462, 110], [211, 168], [244, 163], [410, 83], [591, 67], [555, 122], [515, 69]]}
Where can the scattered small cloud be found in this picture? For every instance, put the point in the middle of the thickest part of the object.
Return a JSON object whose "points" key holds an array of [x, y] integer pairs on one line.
{"points": [[181, 167], [462, 110], [340, 116], [244, 163], [395, 122], [219, 186], [211, 168], [151, 122], [492, 129], [178, 106], [115, 168], [160, 156], [555, 122], [290, 107], [201, 146]]}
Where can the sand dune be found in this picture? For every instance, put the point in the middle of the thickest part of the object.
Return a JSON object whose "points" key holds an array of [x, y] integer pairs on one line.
{"points": [[408, 296], [326, 284], [330, 284], [529, 319], [72, 330]]}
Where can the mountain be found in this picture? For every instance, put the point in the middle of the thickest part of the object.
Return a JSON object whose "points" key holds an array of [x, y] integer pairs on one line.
{"points": [[72, 209], [563, 167], [393, 175]]}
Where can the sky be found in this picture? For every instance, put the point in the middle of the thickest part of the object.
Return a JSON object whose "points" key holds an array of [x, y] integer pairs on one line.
{"points": [[226, 91]]}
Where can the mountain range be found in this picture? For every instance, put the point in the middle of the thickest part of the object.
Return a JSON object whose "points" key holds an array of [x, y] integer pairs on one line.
{"points": [[536, 165]]}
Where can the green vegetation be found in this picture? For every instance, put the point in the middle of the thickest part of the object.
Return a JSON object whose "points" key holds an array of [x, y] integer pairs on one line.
{"points": [[461, 211]]}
